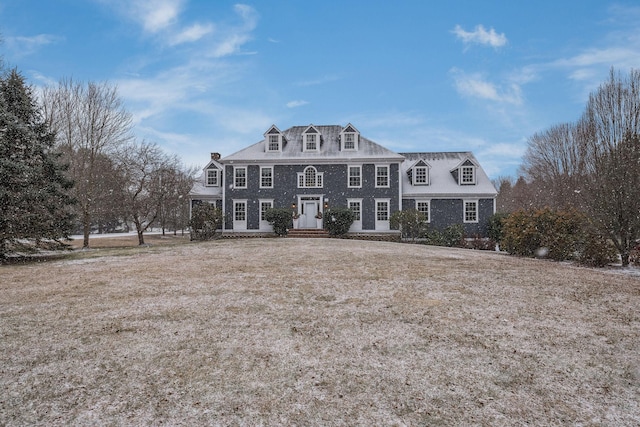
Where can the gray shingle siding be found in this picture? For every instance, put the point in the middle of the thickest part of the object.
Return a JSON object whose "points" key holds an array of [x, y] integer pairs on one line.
{"points": [[285, 190], [332, 161]]}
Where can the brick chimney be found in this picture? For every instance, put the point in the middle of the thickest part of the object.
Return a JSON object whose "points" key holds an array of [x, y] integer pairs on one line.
{"points": [[215, 156]]}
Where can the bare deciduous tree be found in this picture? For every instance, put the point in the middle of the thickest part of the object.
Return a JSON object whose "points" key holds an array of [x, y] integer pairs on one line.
{"points": [[613, 159], [89, 121], [144, 166]]}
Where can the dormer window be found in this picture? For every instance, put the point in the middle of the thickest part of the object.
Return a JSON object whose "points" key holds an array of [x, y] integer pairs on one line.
{"points": [[274, 143], [273, 140], [467, 175], [212, 177], [311, 139], [310, 143], [419, 173], [349, 138]]}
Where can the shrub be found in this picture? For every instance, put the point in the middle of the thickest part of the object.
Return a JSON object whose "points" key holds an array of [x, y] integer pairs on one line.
{"points": [[337, 221], [597, 251], [556, 234], [452, 236], [411, 222], [495, 227], [281, 219], [205, 220]]}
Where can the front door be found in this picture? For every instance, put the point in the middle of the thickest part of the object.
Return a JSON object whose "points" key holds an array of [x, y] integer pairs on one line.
{"points": [[310, 211]]}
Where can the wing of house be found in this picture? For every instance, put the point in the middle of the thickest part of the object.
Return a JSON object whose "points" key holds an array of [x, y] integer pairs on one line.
{"points": [[310, 168]]}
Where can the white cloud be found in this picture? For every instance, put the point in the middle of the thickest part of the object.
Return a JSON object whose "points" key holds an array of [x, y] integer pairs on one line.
{"points": [[26, 45], [234, 37], [156, 15], [191, 34], [475, 86], [480, 36], [296, 103]]}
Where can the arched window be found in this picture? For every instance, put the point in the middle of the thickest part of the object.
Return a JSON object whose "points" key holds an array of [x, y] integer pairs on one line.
{"points": [[310, 178]]}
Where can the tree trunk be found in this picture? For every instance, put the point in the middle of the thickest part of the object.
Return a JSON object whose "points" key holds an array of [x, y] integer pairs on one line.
{"points": [[140, 237], [86, 227]]}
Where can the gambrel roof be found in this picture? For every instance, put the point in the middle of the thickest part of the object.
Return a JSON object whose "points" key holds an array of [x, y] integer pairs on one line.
{"points": [[329, 151], [441, 183]]}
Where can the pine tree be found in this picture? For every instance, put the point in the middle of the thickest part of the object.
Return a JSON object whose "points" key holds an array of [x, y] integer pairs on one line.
{"points": [[34, 199]]}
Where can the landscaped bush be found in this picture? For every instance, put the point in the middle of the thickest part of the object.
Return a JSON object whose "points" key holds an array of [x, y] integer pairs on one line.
{"points": [[556, 234], [205, 220], [411, 222], [597, 251], [337, 221], [495, 227], [281, 219], [452, 236]]}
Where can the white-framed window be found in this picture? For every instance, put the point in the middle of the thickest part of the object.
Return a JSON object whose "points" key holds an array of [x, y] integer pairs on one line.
{"points": [[420, 175], [240, 177], [213, 176], [273, 143], [310, 178], [470, 210], [382, 214], [424, 206], [349, 142], [349, 138], [265, 205], [240, 211], [356, 207], [266, 176], [355, 177], [467, 175], [382, 176], [311, 142], [239, 214]]}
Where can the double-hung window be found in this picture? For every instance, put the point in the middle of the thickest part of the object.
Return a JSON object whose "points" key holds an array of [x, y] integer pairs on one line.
{"points": [[382, 176], [423, 206], [266, 177], [470, 210], [468, 175], [349, 141], [274, 143], [240, 177], [311, 143], [356, 207], [212, 178], [355, 177]]}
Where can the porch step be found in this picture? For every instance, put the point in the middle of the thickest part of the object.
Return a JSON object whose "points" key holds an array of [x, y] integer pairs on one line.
{"points": [[308, 232]]}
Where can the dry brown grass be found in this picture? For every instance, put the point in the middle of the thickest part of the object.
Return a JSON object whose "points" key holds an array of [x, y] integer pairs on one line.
{"points": [[316, 332]]}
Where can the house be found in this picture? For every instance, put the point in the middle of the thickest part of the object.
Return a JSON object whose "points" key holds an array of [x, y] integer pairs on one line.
{"points": [[312, 168]]}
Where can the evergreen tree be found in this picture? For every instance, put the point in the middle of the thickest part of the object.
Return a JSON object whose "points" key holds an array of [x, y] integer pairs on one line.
{"points": [[34, 199]]}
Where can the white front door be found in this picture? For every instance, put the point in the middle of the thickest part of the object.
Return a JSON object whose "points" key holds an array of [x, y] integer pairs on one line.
{"points": [[310, 211]]}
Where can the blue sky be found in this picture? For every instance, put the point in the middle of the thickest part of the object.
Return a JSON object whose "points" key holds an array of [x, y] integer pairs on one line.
{"points": [[414, 75]]}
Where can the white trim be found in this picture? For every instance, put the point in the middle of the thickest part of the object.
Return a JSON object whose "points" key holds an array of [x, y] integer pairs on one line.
{"points": [[264, 225], [464, 211], [246, 176], [206, 177], [388, 176], [301, 178], [272, 176], [357, 223], [428, 201], [381, 224], [349, 176], [239, 225]]}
